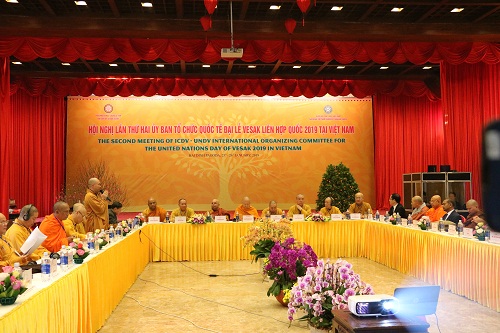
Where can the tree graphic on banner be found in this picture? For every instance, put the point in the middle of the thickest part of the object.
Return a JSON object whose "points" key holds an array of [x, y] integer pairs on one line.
{"points": [[225, 167], [338, 183]]}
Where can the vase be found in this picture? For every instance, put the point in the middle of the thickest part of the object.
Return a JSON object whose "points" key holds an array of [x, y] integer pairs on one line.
{"points": [[78, 260], [279, 298], [8, 300], [318, 330], [480, 237]]}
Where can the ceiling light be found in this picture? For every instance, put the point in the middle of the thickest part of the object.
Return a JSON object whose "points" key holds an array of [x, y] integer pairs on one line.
{"points": [[147, 4], [340, 67], [337, 8], [160, 65], [65, 64], [113, 65], [427, 67], [397, 9], [296, 67], [80, 3], [206, 66], [274, 7], [252, 66], [384, 67], [12, 1], [456, 10], [17, 63]]}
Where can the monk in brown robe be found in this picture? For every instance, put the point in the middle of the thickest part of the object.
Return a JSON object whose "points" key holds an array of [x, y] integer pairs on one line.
{"points": [[154, 210], [97, 207], [53, 227]]}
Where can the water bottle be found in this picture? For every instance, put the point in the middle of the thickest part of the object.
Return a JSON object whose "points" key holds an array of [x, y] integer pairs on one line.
{"points": [[283, 214], [111, 234], [45, 267], [486, 234], [347, 215], [17, 268], [167, 218], [268, 214], [441, 225], [237, 217], [63, 260], [410, 220], [428, 224], [90, 242], [118, 230], [398, 219], [377, 216], [460, 228], [70, 256], [370, 215]]}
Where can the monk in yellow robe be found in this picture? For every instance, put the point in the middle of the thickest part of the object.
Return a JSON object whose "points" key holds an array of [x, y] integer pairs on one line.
{"points": [[299, 207], [246, 209], [8, 256], [154, 210], [359, 205], [272, 209], [97, 207], [436, 212], [183, 210], [73, 225], [53, 227], [328, 210], [20, 230]]}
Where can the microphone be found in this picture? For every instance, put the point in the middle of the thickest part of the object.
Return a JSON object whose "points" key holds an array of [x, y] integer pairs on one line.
{"points": [[107, 198]]}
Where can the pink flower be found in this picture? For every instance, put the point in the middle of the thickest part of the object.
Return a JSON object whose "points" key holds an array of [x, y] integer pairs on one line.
{"points": [[72, 244], [8, 269], [16, 285], [80, 252]]}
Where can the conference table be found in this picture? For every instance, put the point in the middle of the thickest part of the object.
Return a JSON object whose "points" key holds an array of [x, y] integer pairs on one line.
{"points": [[81, 299]]}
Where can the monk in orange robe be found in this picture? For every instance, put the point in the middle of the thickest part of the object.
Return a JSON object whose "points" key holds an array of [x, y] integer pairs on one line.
{"points": [[154, 210], [53, 227], [97, 207], [246, 209], [437, 211]]}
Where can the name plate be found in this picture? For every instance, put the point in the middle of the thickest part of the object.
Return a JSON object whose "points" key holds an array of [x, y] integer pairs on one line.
{"points": [[404, 222], [154, 219], [276, 217], [452, 229], [180, 219], [336, 216], [221, 218], [468, 233], [298, 217], [355, 216], [494, 237], [434, 226], [381, 218], [247, 218]]}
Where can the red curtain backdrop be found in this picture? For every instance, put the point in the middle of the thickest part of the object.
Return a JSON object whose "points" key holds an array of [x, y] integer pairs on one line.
{"points": [[170, 50], [218, 87], [5, 134], [471, 99], [37, 158], [409, 135]]}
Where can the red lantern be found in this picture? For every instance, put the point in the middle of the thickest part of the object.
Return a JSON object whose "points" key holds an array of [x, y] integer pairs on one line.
{"points": [[304, 6], [206, 22], [210, 6], [290, 25]]}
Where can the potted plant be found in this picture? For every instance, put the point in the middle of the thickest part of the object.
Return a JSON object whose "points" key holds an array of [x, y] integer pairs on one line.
{"points": [[11, 285], [80, 252]]}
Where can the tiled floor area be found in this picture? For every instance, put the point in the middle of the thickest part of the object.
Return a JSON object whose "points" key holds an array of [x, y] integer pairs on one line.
{"points": [[174, 297]]}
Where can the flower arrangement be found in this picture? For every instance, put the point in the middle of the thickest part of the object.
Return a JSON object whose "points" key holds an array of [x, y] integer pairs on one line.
{"points": [[80, 251], [288, 261], [393, 219], [480, 231], [323, 288], [11, 285], [100, 238], [316, 217], [125, 228], [422, 225], [198, 219], [263, 235]]}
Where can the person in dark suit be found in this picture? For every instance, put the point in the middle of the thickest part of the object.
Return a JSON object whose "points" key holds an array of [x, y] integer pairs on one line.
{"points": [[451, 214], [396, 207]]}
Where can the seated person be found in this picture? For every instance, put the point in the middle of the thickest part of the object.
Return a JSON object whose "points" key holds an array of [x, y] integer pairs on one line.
{"points": [[453, 197], [299, 207], [52, 226], [218, 211], [183, 210], [272, 209], [154, 210], [328, 210], [8, 256], [113, 210], [419, 208], [246, 209], [451, 213], [20, 230], [359, 205], [474, 213], [396, 206], [437, 211], [73, 225]]}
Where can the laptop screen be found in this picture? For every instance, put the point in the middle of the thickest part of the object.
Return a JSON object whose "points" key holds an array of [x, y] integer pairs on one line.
{"points": [[417, 301]]}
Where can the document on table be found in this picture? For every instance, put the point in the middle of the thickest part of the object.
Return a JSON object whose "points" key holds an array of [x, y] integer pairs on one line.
{"points": [[33, 242]]}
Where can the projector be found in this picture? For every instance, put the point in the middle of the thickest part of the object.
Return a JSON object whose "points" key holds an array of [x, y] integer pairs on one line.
{"points": [[231, 53], [373, 305]]}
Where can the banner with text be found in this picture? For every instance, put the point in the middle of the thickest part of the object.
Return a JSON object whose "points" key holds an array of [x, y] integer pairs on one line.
{"points": [[226, 148]]}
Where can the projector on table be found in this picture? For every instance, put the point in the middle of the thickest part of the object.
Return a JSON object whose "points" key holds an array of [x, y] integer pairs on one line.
{"points": [[373, 305], [235, 53]]}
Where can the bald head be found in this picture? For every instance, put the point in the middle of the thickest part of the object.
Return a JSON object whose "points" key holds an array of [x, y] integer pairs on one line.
{"points": [[79, 207], [3, 224], [435, 201], [472, 206], [152, 203], [300, 199], [416, 201], [359, 198], [79, 213], [61, 210], [246, 202], [94, 185]]}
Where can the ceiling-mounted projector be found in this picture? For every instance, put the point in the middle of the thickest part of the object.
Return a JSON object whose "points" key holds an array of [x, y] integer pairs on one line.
{"points": [[373, 305], [235, 53]]}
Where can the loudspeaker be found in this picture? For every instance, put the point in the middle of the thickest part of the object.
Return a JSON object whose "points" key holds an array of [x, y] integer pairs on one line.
{"points": [[444, 168], [431, 168]]}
